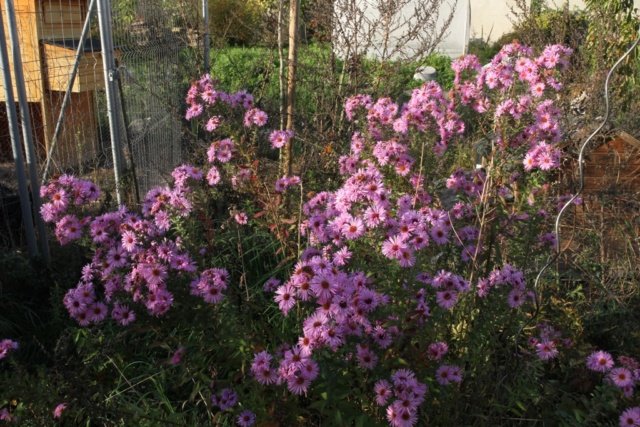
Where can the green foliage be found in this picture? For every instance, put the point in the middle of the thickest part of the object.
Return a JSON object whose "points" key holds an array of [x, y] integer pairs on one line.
{"points": [[549, 26], [235, 21], [613, 27], [483, 50]]}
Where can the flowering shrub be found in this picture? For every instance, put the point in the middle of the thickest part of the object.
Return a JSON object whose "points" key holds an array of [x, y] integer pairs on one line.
{"points": [[624, 377], [401, 292]]}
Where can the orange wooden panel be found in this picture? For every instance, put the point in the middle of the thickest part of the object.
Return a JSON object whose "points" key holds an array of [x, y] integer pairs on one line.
{"points": [[26, 22], [59, 64], [61, 19]]}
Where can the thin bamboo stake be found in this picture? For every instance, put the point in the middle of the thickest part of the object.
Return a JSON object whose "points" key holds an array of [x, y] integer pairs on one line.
{"points": [[294, 9]]}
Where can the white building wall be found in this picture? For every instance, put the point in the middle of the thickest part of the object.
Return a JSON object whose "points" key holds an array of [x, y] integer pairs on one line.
{"points": [[486, 19], [490, 18], [454, 42]]}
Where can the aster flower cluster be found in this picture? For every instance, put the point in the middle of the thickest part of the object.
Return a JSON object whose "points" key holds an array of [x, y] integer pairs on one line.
{"points": [[428, 109], [507, 275], [364, 207], [515, 66], [287, 181], [133, 255], [205, 93], [624, 376], [226, 400], [448, 287], [431, 109], [343, 302], [58, 196], [548, 342], [471, 183], [383, 203], [6, 346], [407, 394], [296, 369]]}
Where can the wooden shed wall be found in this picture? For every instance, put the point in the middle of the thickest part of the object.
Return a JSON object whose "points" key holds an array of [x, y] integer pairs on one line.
{"points": [[46, 70]]}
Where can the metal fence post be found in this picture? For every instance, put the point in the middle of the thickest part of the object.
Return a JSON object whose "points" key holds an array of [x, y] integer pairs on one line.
{"points": [[110, 76], [206, 41], [27, 133], [18, 156]]}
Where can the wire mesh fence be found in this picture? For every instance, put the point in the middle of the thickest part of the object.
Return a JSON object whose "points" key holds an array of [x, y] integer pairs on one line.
{"points": [[157, 49], [157, 52]]}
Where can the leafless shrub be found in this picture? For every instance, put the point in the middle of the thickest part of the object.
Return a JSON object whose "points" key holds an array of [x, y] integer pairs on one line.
{"points": [[390, 29]]}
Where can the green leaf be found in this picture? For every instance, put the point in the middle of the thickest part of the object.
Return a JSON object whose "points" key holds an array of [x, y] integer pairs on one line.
{"points": [[320, 405], [338, 417], [578, 414]]}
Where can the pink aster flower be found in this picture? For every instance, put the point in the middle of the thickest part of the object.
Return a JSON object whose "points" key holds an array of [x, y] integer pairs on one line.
{"points": [[393, 248], [546, 350], [256, 117], [5, 346], [122, 314], [193, 111], [282, 185], [516, 298], [57, 413], [439, 235], [213, 176], [129, 241], [383, 392], [224, 155], [437, 350], [600, 361], [630, 417], [285, 297], [446, 299], [97, 312], [621, 377], [529, 162], [353, 229], [447, 374], [265, 375], [213, 123], [407, 258], [271, 285], [241, 218], [298, 384], [367, 359], [246, 418], [177, 355], [537, 89], [443, 375], [5, 415], [280, 138]]}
